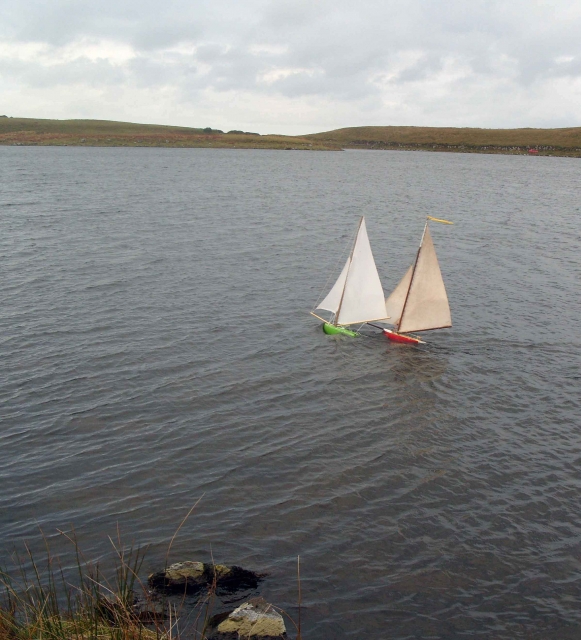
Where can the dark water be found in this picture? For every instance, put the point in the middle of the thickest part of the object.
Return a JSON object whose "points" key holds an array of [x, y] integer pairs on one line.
{"points": [[155, 347]]}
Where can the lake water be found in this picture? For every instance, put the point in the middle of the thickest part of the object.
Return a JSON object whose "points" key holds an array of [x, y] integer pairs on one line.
{"points": [[156, 347]]}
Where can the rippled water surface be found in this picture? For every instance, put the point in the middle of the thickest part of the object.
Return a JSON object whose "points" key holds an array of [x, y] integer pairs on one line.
{"points": [[155, 347]]}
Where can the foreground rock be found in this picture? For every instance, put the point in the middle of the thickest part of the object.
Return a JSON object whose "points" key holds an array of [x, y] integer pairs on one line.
{"points": [[253, 619], [190, 577]]}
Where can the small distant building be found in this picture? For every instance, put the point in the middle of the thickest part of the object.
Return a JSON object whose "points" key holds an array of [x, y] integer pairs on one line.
{"points": [[533, 151]]}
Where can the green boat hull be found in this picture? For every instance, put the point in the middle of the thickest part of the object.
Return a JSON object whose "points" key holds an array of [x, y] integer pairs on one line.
{"points": [[333, 330]]}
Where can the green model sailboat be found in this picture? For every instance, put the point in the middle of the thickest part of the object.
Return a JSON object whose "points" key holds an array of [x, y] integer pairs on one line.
{"points": [[357, 296]]}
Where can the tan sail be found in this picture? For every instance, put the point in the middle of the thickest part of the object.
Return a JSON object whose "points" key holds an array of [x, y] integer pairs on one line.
{"points": [[394, 304], [426, 306]]}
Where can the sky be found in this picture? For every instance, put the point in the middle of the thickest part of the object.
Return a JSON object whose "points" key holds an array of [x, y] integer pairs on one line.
{"points": [[294, 66]]}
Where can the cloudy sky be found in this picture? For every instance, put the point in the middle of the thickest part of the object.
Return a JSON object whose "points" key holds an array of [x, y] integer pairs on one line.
{"points": [[294, 66]]}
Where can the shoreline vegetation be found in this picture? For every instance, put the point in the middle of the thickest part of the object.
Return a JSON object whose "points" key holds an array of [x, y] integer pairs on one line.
{"points": [[547, 142], [105, 133], [565, 142], [46, 599]]}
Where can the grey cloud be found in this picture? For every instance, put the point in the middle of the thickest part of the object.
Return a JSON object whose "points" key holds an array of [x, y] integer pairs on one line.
{"points": [[146, 73], [292, 14], [571, 68], [213, 53], [321, 84], [429, 64], [145, 24], [166, 35], [80, 71], [326, 49]]}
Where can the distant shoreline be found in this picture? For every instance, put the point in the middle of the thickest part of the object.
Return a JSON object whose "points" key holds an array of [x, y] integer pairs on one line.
{"points": [[104, 133], [564, 142], [488, 149]]}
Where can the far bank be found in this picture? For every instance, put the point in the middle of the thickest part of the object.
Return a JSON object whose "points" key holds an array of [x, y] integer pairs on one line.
{"points": [[548, 142], [105, 133]]}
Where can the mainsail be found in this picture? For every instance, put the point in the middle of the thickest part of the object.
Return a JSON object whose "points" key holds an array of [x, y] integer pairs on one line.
{"points": [[419, 302], [357, 295], [394, 304]]}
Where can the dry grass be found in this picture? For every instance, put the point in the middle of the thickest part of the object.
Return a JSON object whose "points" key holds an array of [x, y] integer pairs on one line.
{"points": [[104, 133], [42, 602], [566, 142]]}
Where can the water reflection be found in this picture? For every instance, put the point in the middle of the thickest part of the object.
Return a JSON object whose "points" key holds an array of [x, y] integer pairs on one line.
{"points": [[417, 364]]}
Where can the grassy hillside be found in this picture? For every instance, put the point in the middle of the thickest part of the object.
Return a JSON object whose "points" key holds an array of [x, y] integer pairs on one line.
{"points": [[562, 142], [105, 133]]}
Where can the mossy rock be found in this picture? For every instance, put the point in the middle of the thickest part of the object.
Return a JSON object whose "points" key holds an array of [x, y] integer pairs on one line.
{"points": [[256, 618], [190, 577]]}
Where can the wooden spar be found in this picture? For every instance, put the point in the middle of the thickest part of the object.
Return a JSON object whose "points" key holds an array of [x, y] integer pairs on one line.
{"points": [[363, 321], [347, 274], [318, 317], [439, 220], [413, 274]]}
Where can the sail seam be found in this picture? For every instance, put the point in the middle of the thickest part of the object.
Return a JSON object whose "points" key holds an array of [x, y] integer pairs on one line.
{"points": [[347, 274]]}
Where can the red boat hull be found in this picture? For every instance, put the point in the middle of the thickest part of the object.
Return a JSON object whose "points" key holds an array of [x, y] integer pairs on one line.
{"points": [[399, 337]]}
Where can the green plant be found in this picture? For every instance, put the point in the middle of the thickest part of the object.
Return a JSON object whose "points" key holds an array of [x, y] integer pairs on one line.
{"points": [[42, 600]]}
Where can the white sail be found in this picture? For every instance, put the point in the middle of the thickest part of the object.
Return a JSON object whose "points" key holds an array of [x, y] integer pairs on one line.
{"points": [[426, 306], [363, 298], [333, 299], [394, 304]]}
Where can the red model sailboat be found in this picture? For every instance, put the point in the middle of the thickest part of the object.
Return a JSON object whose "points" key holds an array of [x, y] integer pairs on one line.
{"points": [[419, 302]]}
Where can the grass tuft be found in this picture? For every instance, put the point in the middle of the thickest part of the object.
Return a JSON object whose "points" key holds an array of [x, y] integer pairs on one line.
{"points": [[40, 602]]}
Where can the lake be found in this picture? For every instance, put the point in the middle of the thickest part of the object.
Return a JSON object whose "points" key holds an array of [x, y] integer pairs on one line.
{"points": [[157, 348]]}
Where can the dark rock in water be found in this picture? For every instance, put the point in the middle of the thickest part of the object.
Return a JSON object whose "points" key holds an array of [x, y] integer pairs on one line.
{"points": [[253, 619], [150, 610], [238, 579], [190, 577]]}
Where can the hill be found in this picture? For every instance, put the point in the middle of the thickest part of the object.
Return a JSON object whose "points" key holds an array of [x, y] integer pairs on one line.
{"points": [[107, 133], [556, 142]]}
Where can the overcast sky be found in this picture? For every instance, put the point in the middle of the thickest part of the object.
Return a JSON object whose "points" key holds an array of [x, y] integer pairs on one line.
{"points": [[294, 66]]}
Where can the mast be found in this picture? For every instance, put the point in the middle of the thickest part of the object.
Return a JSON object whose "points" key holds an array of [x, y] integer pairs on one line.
{"points": [[347, 275], [413, 274]]}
